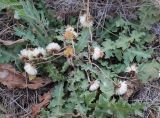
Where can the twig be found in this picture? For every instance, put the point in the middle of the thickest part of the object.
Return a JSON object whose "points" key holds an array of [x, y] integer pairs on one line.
{"points": [[74, 52], [57, 54], [15, 100], [88, 13], [21, 107], [153, 86], [91, 35], [48, 61], [1, 33], [74, 115], [89, 80], [89, 54], [121, 77]]}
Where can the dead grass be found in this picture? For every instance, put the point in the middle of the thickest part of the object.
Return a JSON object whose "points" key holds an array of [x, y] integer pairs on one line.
{"points": [[100, 9], [7, 22], [150, 94], [18, 102]]}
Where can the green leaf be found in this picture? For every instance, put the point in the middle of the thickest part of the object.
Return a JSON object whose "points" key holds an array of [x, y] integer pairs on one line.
{"points": [[65, 66], [78, 75], [148, 15], [82, 40], [27, 35], [89, 97], [88, 67], [36, 32], [121, 22], [121, 109], [106, 85], [10, 54], [139, 54], [128, 57], [57, 102], [108, 45], [148, 71], [54, 73], [123, 42], [119, 55], [9, 4], [137, 36], [118, 68]]}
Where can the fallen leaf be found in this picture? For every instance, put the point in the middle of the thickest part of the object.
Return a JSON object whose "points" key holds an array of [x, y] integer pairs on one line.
{"points": [[39, 82], [14, 79], [8, 43], [44, 101]]}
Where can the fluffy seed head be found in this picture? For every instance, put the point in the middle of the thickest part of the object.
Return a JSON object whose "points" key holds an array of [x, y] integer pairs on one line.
{"points": [[86, 21], [94, 86], [51, 47], [133, 68], [97, 53], [31, 70], [122, 88], [39, 52], [26, 54]]}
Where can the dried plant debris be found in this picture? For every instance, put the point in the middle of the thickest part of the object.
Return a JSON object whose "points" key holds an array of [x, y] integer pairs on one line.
{"points": [[101, 9], [9, 43], [150, 94], [134, 85], [44, 101], [7, 22], [17, 103], [14, 79], [18, 96]]}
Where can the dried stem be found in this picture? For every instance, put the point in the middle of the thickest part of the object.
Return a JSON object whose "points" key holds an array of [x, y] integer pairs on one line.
{"points": [[89, 80]]}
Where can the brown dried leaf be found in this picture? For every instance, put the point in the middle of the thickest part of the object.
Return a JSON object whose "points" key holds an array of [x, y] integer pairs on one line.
{"points": [[38, 83], [44, 101], [14, 79]]}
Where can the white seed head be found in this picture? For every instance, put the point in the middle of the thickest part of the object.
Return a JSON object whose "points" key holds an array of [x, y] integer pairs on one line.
{"points": [[122, 89], [31, 70], [85, 22], [75, 34], [133, 67], [97, 53], [39, 51], [94, 86], [53, 46], [26, 53]]}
